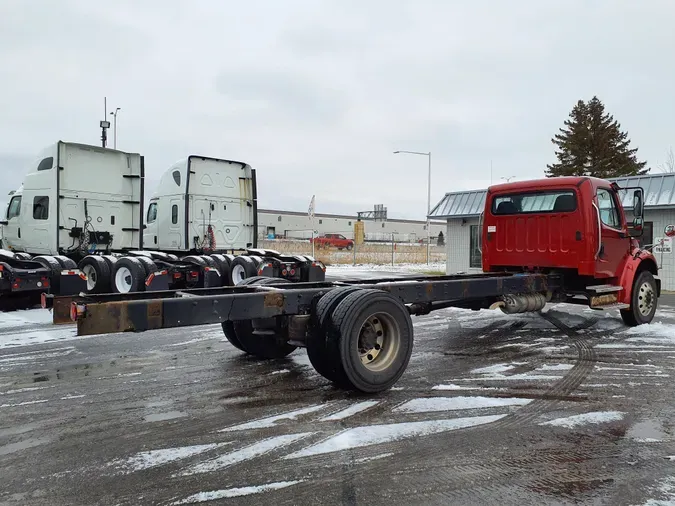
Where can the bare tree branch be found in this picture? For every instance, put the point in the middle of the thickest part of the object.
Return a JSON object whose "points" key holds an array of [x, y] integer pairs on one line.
{"points": [[669, 165]]}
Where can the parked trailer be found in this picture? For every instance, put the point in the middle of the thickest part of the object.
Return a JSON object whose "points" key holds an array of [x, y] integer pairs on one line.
{"points": [[554, 240]]}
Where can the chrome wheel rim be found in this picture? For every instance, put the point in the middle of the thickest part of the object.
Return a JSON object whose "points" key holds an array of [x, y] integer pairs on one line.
{"points": [[379, 342], [646, 299]]}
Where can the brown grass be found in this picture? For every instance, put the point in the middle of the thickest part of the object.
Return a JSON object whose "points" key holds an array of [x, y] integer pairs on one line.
{"points": [[367, 253]]}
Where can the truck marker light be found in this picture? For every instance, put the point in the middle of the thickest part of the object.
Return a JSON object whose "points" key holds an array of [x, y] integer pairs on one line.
{"points": [[76, 311], [177, 275], [292, 272]]}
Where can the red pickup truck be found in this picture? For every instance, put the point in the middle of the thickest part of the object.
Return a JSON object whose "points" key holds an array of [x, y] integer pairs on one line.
{"points": [[338, 241]]}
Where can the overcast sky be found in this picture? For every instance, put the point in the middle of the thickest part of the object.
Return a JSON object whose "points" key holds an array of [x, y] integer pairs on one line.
{"points": [[317, 94]]}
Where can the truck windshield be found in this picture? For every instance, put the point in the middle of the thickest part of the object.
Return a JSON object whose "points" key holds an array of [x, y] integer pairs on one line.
{"points": [[559, 201]]}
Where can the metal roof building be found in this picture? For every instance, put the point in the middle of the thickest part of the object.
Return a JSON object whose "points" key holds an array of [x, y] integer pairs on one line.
{"points": [[659, 194], [462, 209]]}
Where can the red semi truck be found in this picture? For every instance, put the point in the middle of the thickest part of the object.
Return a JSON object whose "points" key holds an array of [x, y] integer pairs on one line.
{"points": [[560, 240]]}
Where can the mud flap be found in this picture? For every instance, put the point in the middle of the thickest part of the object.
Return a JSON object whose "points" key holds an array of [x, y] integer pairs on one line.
{"points": [[316, 271], [211, 277], [72, 282], [157, 281]]}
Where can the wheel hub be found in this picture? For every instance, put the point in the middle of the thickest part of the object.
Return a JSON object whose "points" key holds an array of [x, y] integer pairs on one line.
{"points": [[645, 299], [379, 341]]}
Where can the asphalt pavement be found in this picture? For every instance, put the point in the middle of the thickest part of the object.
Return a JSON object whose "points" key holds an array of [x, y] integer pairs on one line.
{"points": [[566, 407]]}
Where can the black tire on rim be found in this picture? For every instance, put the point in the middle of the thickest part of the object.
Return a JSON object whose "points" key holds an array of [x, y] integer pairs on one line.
{"points": [[128, 275], [243, 267], [148, 265], [264, 338], [97, 271], [643, 301], [231, 335], [223, 265], [374, 335], [210, 262], [110, 260], [194, 260], [66, 263], [325, 360], [22, 256]]}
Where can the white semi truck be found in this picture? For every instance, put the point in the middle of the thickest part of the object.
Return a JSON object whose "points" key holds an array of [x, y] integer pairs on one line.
{"points": [[78, 224]]}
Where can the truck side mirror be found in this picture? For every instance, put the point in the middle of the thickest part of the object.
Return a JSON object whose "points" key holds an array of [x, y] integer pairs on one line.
{"points": [[638, 203]]}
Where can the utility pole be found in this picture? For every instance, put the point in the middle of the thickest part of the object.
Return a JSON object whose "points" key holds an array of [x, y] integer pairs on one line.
{"points": [[105, 124], [114, 115]]}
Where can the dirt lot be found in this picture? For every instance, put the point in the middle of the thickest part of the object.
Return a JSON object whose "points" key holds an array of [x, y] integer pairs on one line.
{"points": [[565, 407]]}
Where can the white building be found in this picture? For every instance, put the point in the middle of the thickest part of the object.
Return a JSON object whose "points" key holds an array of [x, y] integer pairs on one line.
{"points": [[297, 225], [462, 210]]}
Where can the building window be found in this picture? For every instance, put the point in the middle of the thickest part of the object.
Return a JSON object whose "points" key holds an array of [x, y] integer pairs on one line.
{"points": [[14, 208], [41, 208], [474, 251], [152, 212], [46, 164], [279, 218], [174, 214]]}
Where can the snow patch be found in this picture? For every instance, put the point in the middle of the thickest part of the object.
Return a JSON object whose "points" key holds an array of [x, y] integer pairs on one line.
{"points": [[23, 403], [433, 404], [246, 453], [235, 492], [586, 418], [556, 367], [350, 411], [376, 434], [23, 318], [154, 458], [497, 368], [271, 421], [663, 330], [667, 489], [374, 457]]}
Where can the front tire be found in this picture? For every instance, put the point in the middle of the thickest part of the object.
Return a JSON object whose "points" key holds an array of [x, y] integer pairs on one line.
{"points": [[643, 301]]}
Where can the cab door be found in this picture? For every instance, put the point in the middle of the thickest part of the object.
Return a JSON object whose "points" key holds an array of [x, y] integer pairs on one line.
{"points": [[11, 229], [613, 245]]}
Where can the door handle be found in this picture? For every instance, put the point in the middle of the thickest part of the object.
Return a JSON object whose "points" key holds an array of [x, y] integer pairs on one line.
{"points": [[155, 239], [19, 230]]}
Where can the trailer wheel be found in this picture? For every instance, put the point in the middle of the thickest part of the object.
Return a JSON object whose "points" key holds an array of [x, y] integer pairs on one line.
{"points": [[324, 359], [243, 267], [195, 260], [257, 260], [223, 265], [643, 301], [210, 262], [373, 333], [97, 271], [110, 260], [52, 264], [66, 263], [231, 335], [128, 275], [262, 338], [148, 265]]}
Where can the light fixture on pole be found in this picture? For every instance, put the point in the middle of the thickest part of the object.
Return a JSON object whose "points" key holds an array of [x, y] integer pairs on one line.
{"points": [[428, 195], [114, 115]]}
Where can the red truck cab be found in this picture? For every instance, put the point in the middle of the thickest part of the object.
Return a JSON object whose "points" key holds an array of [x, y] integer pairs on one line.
{"points": [[575, 226]]}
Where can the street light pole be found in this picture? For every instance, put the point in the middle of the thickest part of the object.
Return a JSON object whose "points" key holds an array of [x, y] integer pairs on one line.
{"points": [[114, 115], [428, 155]]}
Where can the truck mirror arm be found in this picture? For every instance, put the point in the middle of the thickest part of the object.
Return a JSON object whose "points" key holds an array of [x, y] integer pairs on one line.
{"points": [[4, 222]]}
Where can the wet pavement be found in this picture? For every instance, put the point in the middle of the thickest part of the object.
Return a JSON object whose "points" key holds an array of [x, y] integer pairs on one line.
{"points": [[567, 407]]}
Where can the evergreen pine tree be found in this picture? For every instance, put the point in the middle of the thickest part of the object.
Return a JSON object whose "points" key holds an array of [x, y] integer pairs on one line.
{"points": [[592, 144]]}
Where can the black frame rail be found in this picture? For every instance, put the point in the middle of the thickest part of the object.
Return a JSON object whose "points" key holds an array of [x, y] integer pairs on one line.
{"points": [[138, 312]]}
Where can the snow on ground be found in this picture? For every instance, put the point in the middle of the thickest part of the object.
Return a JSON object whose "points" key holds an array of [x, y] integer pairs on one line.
{"points": [[659, 329], [377, 434], [235, 492], [666, 490], [153, 458], [404, 268], [271, 421], [570, 422], [21, 318], [433, 404], [350, 411]]}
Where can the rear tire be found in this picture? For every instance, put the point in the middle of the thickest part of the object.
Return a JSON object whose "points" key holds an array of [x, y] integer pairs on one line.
{"points": [[324, 360], [97, 271], [231, 335], [194, 260], [210, 262], [148, 265], [373, 333], [243, 267], [263, 338], [223, 265], [128, 275], [66, 263], [643, 301]]}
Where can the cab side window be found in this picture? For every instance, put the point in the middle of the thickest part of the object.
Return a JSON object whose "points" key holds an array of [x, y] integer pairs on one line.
{"points": [[152, 212], [609, 214], [14, 208]]}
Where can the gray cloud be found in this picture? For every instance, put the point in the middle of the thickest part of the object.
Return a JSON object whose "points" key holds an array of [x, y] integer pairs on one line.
{"points": [[317, 94]]}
